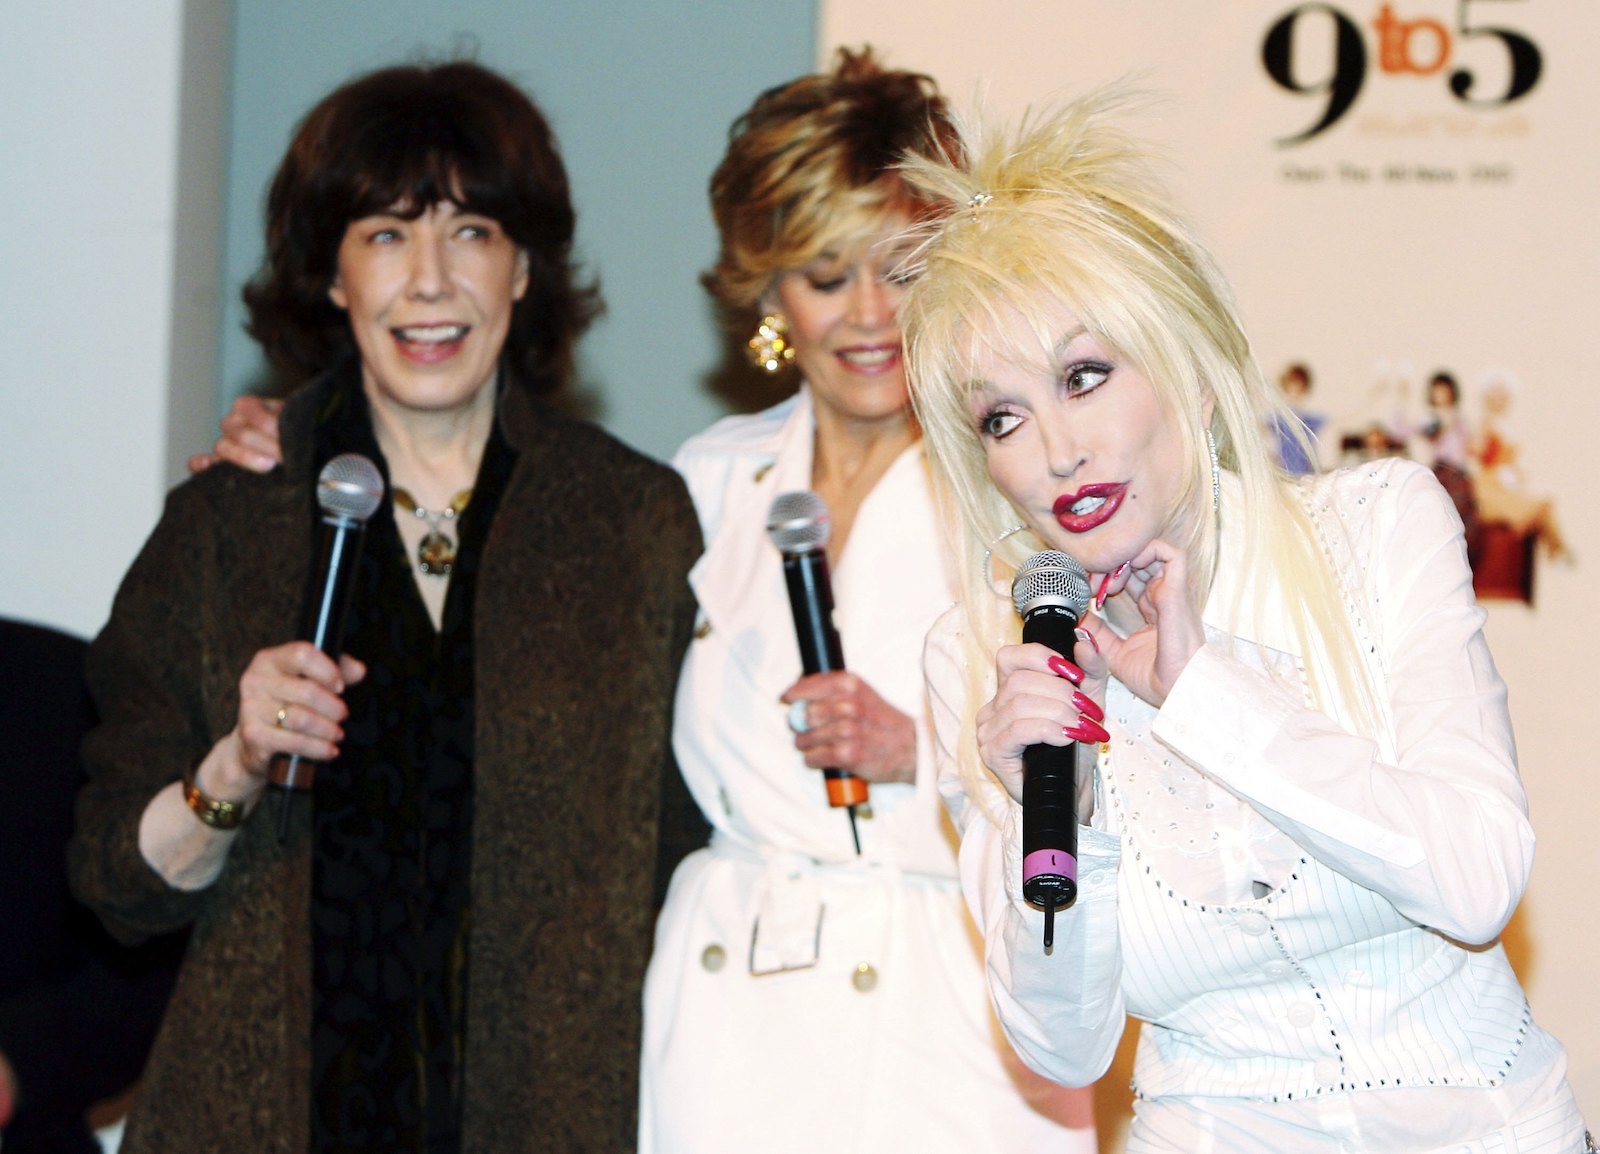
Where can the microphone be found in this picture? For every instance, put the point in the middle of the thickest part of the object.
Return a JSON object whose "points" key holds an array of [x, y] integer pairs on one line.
{"points": [[1051, 593], [349, 490], [799, 524]]}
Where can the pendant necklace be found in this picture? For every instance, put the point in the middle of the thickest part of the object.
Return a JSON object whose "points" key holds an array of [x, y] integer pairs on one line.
{"points": [[436, 552]]}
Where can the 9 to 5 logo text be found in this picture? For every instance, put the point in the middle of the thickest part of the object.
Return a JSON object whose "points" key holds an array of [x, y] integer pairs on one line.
{"points": [[1418, 46]]}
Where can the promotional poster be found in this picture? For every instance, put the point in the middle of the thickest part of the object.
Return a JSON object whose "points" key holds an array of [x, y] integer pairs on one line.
{"points": [[1402, 195]]}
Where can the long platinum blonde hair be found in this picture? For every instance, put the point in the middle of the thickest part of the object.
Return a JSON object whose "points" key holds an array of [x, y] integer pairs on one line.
{"points": [[1065, 213]]}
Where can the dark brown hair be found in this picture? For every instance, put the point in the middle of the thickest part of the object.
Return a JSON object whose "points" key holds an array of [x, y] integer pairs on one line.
{"points": [[408, 138], [1448, 380]]}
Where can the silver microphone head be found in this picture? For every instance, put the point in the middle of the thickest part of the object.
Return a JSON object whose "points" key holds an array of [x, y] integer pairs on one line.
{"points": [[799, 522], [1050, 577], [349, 488]]}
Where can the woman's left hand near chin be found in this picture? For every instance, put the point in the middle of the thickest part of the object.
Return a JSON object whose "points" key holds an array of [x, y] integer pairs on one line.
{"points": [[849, 726], [1149, 659]]}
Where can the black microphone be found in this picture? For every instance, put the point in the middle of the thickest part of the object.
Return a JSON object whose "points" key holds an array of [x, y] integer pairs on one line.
{"points": [[349, 490], [1051, 593], [799, 525]]}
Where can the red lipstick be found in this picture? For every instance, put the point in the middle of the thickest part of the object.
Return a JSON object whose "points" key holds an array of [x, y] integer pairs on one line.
{"points": [[1110, 495]]}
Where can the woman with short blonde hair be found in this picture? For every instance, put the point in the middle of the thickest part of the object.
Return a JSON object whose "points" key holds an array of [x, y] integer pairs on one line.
{"points": [[803, 996]]}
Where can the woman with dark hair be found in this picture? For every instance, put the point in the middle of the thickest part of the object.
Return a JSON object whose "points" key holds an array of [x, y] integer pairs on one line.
{"points": [[802, 997], [412, 954], [1442, 440]]}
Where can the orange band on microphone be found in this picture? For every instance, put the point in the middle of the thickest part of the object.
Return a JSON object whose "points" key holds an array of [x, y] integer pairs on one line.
{"points": [[846, 789], [295, 773]]}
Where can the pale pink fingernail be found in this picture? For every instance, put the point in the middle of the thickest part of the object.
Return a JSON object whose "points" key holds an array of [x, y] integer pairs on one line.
{"points": [[1105, 583]]}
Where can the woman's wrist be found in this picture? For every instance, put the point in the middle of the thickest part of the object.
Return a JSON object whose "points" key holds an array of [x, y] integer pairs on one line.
{"points": [[215, 812], [219, 789], [906, 771]]}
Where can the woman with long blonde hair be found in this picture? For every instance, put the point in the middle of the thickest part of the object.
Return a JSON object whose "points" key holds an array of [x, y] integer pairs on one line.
{"points": [[1301, 824]]}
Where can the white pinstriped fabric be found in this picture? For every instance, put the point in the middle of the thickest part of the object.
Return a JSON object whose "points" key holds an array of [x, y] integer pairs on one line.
{"points": [[1260, 881]]}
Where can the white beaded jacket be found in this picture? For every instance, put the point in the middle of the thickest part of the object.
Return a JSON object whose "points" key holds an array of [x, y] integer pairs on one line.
{"points": [[1292, 909]]}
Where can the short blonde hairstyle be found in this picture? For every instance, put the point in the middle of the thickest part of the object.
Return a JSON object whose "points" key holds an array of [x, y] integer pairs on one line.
{"points": [[811, 166], [1066, 213]]}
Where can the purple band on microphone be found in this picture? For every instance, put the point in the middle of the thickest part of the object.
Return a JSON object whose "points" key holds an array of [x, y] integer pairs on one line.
{"points": [[1049, 861]]}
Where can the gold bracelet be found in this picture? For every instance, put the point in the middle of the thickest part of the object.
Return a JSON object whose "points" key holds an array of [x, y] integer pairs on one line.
{"points": [[215, 812]]}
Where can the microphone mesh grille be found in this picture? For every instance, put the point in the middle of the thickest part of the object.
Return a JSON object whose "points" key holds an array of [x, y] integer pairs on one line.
{"points": [[350, 488], [1050, 576], [798, 522]]}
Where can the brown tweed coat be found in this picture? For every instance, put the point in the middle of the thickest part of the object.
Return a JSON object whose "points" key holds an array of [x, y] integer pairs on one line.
{"points": [[583, 614]]}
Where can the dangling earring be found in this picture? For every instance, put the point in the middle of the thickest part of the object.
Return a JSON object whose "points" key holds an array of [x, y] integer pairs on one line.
{"points": [[770, 349], [988, 553], [1216, 473]]}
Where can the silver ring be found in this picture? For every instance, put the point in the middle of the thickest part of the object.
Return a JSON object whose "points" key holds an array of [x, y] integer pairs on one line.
{"points": [[283, 714], [798, 719]]}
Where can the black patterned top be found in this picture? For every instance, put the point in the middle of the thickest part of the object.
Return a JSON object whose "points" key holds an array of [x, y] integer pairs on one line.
{"points": [[391, 904]]}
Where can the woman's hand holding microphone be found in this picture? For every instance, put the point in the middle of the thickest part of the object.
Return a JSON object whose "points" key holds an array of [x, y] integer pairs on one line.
{"points": [[290, 703], [1044, 698]]}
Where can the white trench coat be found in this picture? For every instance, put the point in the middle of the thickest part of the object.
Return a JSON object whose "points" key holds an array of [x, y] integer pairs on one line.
{"points": [[867, 1027]]}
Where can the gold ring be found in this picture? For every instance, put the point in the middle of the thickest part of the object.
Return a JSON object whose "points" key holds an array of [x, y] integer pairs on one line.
{"points": [[283, 715]]}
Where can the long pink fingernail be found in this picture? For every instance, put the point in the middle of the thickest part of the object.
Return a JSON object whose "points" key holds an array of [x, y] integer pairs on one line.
{"points": [[1085, 730], [1085, 636], [1061, 667], [1087, 705]]}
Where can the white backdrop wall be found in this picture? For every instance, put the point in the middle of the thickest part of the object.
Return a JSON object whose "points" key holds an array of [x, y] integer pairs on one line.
{"points": [[110, 120], [1416, 231]]}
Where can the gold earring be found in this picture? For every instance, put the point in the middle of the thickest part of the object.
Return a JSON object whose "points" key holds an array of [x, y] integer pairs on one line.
{"points": [[770, 349]]}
